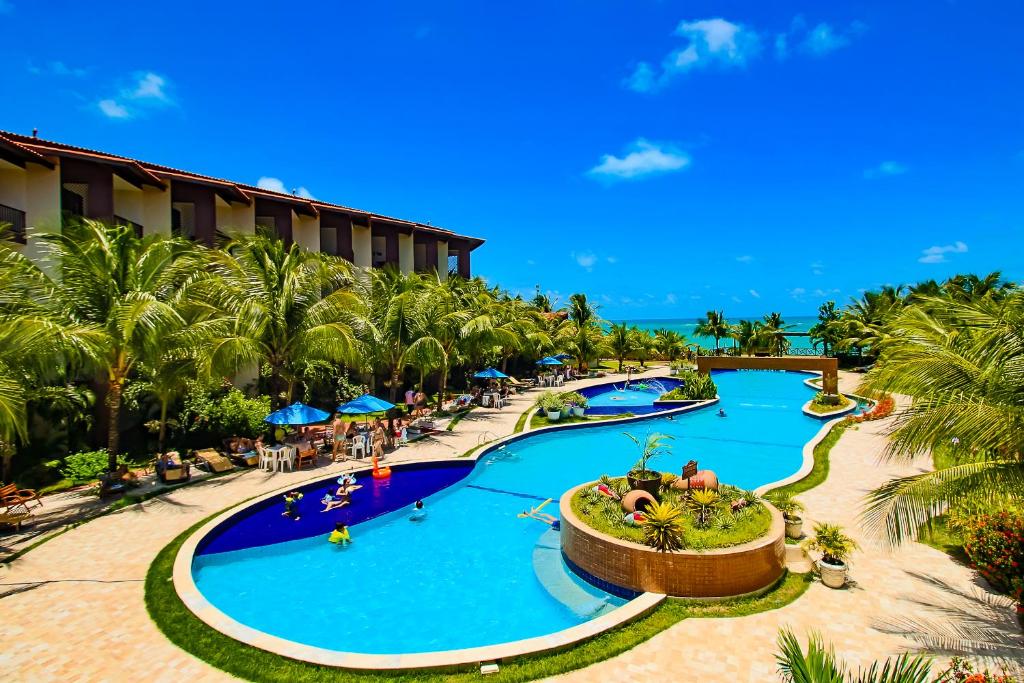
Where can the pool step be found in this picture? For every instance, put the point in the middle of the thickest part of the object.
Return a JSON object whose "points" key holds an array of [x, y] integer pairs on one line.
{"points": [[554, 576]]}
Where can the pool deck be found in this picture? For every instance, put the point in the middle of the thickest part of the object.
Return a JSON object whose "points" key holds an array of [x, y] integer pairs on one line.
{"points": [[73, 608]]}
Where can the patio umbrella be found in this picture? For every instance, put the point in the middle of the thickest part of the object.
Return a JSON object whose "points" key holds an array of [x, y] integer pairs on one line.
{"points": [[563, 356], [296, 414], [366, 403], [491, 373], [549, 360]]}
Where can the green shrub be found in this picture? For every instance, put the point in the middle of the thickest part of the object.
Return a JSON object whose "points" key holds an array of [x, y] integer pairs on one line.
{"points": [[214, 415], [574, 398], [994, 544], [86, 466], [695, 387], [550, 401]]}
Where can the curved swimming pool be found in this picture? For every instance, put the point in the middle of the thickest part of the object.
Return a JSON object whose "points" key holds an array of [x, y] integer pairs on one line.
{"points": [[637, 396], [473, 573]]}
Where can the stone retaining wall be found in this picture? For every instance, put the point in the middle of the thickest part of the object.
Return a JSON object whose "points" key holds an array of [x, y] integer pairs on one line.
{"points": [[710, 574]]}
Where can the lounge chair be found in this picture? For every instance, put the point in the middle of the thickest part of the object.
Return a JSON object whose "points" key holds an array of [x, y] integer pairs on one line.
{"points": [[15, 516], [307, 454], [11, 495], [214, 460], [169, 471], [233, 448]]}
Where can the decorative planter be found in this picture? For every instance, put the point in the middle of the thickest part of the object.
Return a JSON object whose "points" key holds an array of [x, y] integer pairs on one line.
{"points": [[794, 527], [652, 486], [553, 415], [832, 575], [578, 411]]}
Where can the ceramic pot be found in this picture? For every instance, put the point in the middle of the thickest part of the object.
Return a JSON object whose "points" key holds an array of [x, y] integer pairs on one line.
{"points": [[794, 527], [651, 486], [832, 575], [553, 415]]}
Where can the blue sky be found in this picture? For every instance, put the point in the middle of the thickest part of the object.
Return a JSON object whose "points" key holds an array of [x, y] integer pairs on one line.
{"points": [[664, 157]]}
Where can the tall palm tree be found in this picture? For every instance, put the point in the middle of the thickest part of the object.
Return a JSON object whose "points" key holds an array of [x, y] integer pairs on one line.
{"points": [[747, 335], [969, 287], [961, 364], [669, 344], [581, 311], [619, 341], [824, 331], [774, 329], [441, 324], [387, 299], [863, 320], [714, 325], [643, 344], [278, 305]]}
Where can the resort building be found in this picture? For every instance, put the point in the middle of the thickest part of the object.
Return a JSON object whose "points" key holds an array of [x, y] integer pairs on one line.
{"points": [[43, 183]]}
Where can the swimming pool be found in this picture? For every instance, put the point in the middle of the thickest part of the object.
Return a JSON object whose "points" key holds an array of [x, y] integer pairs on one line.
{"points": [[473, 573], [637, 397]]}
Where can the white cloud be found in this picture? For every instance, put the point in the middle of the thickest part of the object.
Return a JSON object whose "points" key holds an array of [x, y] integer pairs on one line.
{"points": [[56, 68], [886, 169], [643, 159], [818, 268], [113, 110], [149, 86], [797, 292], [745, 258], [716, 42], [276, 185], [272, 184], [737, 299], [695, 297], [671, 298], [530, 262], [147, 91], [612, 259], [823, 39], [825, 292], [753, 293], [585, 259], [937, 254]]}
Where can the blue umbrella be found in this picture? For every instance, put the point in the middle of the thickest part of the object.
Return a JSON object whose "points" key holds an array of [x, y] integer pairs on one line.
{"points": [[491, 373], [296, 414], [563, 356], [549, 360], [366, 403]]}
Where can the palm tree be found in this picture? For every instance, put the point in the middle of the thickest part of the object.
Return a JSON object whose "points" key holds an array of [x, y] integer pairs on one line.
{"points": [[669, 344], [960, 363], [714, 325], [112, 301], [581, 311], [862, 321], [278, 305], [441, 323], [774, 328], [820, 665], [643, 344], [542, 302], [824, 331], [620, 342], [970, 287], [387, 297], [747, 334]]}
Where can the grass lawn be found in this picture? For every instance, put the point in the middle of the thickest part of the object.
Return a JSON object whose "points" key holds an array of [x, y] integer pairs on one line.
{"points": [[605, 515], [938, 535], [543, 421], [819, 472], [183, 629]]}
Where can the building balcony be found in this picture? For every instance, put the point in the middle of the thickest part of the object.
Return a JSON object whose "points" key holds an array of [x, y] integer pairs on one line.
{"points": [[118, 220], [16, 219]]}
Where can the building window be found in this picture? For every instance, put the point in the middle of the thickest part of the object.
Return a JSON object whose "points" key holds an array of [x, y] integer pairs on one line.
{"points": [[419, 259], [73, 200], [380, 245], [453, 262]]}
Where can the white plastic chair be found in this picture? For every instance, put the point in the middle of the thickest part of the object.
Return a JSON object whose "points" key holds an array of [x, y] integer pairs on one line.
{"points": [[559, 381], [358, 445], [286, 456], [266, 458]]}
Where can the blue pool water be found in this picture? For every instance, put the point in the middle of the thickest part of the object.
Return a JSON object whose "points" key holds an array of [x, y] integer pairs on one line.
{"points": [[465, 576], [637, 397]]}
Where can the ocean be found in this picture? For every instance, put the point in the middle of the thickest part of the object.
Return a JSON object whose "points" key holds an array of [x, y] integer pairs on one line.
{"points": [[685, 326]]}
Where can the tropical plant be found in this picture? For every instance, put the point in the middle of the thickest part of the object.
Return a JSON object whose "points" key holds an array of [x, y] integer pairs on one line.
{"points": [[714, 325], [960, 364], [86, 466], [747, 335], [669, 344], [820, 664], [833, 544], [784, 501], [620, 342], [826, 331], [663, 527], [695, 386], [704, 504], [667, 480], [994, 544], [550, 402], [653, 445], [643, 344], [574, 398]]}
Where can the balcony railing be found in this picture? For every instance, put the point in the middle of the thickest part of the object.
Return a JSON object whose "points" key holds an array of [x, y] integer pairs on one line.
{"points": [[16, 219]]}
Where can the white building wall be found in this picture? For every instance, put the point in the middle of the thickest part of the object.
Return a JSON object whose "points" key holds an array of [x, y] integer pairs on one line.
{"points": [[156, 211], [13, 181], [128, 202], [406, 253], [362, 247], [306, 231], [42, 207], [442, 260]]}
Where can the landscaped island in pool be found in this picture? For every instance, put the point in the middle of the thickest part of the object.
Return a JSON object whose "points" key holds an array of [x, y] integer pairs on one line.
{"points": [[473, 573], [636, 397]]}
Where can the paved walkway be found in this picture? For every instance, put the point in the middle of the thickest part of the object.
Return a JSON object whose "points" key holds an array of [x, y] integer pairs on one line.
{"points": [[74, 606], [904, 600]]}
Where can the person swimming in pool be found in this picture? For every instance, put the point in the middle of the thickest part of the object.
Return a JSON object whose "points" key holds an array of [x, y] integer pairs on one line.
{"points": [[340, 535], [419, 513], [721, 412], [338, 499], [291, 505]]}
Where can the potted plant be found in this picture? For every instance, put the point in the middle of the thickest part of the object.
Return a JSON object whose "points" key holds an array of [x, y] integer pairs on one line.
{"points": [[641, 477], [551, 404], [834, 546], [576, 402], [790, 508]]}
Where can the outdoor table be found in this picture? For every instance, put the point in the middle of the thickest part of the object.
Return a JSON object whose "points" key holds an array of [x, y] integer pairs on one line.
{"points": [[281, 453]]}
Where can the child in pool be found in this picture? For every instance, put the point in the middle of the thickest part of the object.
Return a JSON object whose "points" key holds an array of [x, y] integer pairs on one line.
{"points": [[336, 500], [340, 535], [291, 505], [419, 513]]}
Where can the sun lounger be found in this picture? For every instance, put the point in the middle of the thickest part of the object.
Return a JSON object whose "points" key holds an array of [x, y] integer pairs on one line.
{"points": [[11, 495], [15, 516], [214, 460]]}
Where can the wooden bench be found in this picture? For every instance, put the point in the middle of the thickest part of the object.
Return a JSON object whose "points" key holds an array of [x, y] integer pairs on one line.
{"points": [[11, 496]]}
